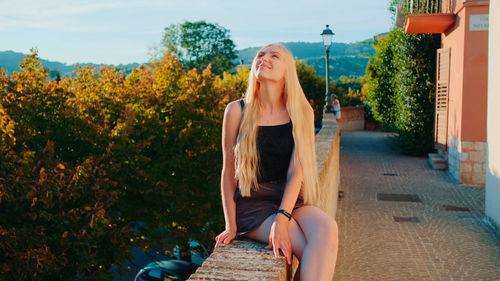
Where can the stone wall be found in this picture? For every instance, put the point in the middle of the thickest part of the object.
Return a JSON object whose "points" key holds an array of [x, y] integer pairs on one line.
{"points": [[245, 259], [467, 161], [327, 157], [351, 118]]}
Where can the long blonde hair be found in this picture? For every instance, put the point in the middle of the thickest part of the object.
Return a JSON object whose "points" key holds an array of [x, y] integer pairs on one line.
{"points": [[302, 116]]}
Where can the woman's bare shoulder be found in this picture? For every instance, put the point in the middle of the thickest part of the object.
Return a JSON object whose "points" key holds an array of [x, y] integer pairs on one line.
{"points": [[232, 116], [231, 124], [233, 111]]}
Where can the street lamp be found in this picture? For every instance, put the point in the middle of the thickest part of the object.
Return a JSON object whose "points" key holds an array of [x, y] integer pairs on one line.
{"points": [[327, 35]]}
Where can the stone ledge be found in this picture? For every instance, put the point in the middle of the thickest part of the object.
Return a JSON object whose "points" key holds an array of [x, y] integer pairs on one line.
{"points": [[243, 259]]}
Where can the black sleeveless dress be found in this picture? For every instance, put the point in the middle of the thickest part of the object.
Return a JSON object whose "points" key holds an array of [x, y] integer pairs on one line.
{"points": [[275, 145]]}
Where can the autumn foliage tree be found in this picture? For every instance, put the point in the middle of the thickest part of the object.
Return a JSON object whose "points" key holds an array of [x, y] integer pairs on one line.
{"points": [[54, 209], [90, 166]]}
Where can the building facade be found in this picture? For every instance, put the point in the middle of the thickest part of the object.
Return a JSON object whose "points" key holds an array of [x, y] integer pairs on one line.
{"points": [[461, 82]]}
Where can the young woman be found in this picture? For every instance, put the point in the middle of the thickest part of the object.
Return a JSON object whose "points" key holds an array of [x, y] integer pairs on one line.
{"points": [[269, 178]]}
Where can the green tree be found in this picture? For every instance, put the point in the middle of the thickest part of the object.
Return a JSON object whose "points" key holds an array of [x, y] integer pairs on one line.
{"points": [[198, 44], [313, 87], [55, 75], [380, 73], [392, 7]]}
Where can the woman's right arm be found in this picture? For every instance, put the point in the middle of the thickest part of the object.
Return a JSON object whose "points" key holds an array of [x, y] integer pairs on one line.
{"points": [[230, 127]]}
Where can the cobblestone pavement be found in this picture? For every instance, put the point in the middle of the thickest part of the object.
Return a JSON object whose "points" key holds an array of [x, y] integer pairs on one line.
{"points": [[435, 244]]}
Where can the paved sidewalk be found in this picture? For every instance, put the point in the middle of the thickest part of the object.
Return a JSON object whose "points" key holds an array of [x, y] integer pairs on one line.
{"points": [[434, 244]]}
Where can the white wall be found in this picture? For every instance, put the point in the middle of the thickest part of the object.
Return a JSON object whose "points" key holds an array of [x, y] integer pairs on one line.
{"points": [[492, 200]]}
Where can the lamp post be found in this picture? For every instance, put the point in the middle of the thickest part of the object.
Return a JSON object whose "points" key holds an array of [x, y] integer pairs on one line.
{"points": [[327, 35]]}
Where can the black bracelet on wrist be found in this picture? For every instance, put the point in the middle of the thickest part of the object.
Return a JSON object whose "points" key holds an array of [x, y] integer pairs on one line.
{"points": [[287, 214]]}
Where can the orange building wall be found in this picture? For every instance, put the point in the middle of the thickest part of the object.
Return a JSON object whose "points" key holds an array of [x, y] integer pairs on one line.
{"points": [[474, 103], [454, 39], [468, 77]]}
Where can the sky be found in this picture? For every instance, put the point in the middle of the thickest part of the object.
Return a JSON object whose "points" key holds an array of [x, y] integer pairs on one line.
{"points": [[114, 32]]}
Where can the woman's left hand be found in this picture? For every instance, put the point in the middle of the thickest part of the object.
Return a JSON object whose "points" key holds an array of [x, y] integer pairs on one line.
{"points": [[279, 238]]}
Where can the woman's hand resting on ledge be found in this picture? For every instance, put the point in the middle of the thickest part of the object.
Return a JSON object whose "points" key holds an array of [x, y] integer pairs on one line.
{"points": [[225, 237], [279, 238]]}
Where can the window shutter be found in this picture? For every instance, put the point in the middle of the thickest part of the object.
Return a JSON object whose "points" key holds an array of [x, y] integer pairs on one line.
{"points": [[442, 89]]}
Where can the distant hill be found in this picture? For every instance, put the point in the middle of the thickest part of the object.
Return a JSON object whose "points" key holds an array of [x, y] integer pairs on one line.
{"points": [[349, 59], [10, 61]]}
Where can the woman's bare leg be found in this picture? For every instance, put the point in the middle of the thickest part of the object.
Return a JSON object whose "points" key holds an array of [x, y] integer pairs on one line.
{"points": [[320, 254]]}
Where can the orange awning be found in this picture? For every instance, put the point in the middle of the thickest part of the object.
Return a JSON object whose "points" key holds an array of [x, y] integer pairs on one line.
{"points": [[428, 23]]}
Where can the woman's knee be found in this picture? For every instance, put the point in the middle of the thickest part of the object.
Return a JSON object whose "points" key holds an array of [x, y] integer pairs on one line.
{"points": [[318, 226], [331, 226]]}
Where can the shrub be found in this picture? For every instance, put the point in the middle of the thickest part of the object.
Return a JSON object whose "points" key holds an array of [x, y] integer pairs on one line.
{"points": [[401, 85]]}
